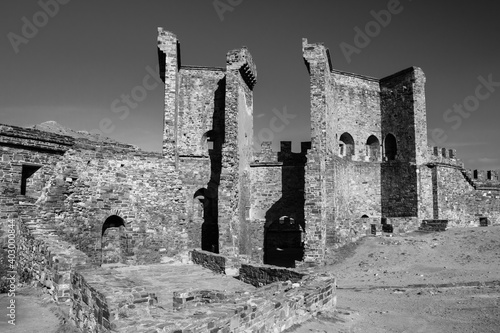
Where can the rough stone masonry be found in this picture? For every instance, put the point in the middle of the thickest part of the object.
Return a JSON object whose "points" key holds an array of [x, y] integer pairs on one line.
{"points": [[80, 202]]}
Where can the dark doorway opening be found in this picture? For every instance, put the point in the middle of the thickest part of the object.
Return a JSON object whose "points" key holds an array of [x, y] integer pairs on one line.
{"points": [[27, 172], [283, 243], [390, 147], [209, 227]]}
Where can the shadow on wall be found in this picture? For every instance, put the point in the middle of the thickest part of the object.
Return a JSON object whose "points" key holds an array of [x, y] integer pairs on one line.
{"points": [[285, 224], [208, 197]]}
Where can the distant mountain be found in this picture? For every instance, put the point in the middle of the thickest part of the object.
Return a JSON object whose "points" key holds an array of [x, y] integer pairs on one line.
{"points": [[54, 127]]}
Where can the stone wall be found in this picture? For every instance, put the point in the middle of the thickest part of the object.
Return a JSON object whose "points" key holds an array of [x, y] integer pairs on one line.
{"points": [[354, 195], [28, 157], [43, 259], [214, 262], [144, 190], [259, 276], [237, 152], [462, 204], [277, 191], [103, 304], [356, 111]]}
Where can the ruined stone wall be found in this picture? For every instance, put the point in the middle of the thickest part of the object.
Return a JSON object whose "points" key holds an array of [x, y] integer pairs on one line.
{"points": [[88, 186], [24, 150], [356, 110], [403, 115], [196, 104], [425, 192], [266, 187], [354, 192], [169, 62], [237, 153], [277, 190], [43, 259], [461, 203], [318, 65]]}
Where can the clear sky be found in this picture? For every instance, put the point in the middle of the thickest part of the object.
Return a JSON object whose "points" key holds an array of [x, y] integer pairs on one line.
{"points": [[86, 54]]}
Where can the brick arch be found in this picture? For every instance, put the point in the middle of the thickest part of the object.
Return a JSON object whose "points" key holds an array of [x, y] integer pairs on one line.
{"points": [[113, 221]]}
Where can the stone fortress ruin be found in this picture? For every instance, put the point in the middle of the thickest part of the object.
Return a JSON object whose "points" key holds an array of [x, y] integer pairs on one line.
{"points": [[89, 213]]}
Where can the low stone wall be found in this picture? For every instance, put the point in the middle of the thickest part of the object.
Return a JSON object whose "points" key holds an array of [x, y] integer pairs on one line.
{"points": [[272, 308], [102, 302], [262, 275], [46, 261], [433, 225], [210, 260]]}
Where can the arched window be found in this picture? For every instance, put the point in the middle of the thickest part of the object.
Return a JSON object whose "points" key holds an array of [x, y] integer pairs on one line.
{"points": [[390, 147], [346, 145], [207, 140], [373, 148]]}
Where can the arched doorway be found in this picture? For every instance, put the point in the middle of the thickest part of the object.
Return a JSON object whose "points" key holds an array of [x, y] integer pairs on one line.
{"points": [[113, 240], [283, 243]]}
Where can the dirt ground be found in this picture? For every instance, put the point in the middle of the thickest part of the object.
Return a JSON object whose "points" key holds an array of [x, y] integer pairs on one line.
{"points": [[435, 282], [34, 313]]}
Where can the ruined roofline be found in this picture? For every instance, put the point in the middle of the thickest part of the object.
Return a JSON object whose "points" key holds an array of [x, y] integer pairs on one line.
{"points": [[400, 73], [36, 135], [359, 76], [206, 68], [319, 51]]}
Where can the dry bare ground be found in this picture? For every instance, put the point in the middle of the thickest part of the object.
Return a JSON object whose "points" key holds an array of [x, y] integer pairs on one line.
{"points": [[435, 282]]}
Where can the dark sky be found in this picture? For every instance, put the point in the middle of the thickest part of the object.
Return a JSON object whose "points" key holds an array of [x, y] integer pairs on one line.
{"points": [[88, 53]]}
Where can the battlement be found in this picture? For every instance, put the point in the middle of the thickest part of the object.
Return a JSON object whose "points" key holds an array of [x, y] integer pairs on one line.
{"points": [[284, 157], [241, 59], [483, 179], [440, 155]]}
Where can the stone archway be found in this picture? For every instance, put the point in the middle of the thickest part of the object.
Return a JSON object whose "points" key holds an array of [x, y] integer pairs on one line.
{"points": [[113, 240]]}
